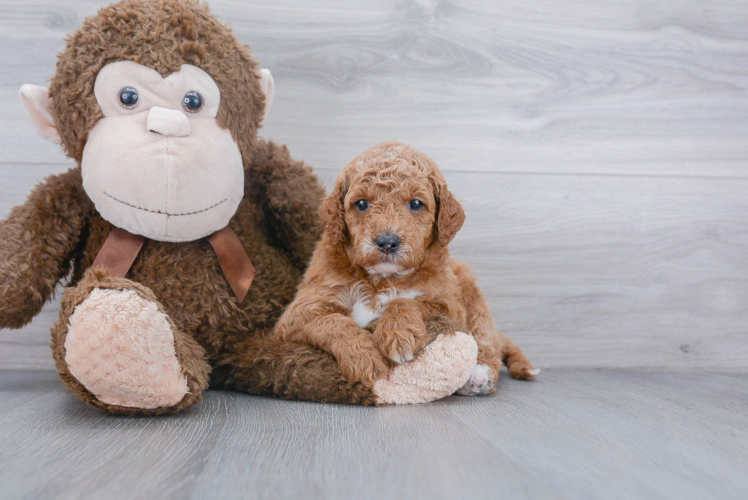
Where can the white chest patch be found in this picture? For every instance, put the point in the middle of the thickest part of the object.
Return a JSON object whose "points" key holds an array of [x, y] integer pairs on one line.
{"points": [[362, 311]]}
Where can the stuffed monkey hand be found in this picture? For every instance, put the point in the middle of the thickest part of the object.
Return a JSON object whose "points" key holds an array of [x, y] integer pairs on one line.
{"points": [[37, 241]]}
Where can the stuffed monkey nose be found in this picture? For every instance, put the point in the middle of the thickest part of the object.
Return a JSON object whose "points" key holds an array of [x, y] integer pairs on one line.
{"points": [[168, 122]]}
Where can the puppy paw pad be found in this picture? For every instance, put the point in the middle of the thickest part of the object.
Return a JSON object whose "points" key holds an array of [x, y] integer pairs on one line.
{"points": [[479, 383]]}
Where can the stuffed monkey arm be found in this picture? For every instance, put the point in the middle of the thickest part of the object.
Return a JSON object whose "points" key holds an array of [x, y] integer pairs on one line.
{"points": [[37, 242], [291, 199]]}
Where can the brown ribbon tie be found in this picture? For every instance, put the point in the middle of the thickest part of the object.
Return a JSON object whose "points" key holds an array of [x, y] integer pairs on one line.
{"points": [[234, 261], [119, 252], [121, 248]]}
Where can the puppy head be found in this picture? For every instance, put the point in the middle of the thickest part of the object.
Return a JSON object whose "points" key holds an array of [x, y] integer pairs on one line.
{"points": [[388, 207]]}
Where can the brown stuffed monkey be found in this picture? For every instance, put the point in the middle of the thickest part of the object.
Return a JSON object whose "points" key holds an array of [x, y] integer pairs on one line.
{"points": [[186, 234]]}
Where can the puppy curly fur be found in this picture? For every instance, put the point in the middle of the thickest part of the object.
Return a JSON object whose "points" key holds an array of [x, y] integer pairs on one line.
{"points": [[368, 305]]}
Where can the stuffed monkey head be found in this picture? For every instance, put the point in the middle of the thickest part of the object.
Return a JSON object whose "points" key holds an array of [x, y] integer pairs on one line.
{"points": [[160, 105]]}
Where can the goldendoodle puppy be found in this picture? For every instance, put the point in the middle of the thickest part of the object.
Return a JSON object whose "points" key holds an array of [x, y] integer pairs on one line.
{"points": [[382, 272]]}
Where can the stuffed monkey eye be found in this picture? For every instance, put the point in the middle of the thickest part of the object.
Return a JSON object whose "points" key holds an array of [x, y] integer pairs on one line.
{"points": [[128, 97], [192, 102], [362, 205], [415, 205]]}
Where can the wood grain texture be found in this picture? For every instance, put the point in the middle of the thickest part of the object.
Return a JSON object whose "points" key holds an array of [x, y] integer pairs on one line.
{"points": [[578, 86], [595, 271], [610, 271], [571, 434], [600, 149]]}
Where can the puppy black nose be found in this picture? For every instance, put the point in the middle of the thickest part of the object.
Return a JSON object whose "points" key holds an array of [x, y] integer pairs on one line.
{"points": [[388, 243]]}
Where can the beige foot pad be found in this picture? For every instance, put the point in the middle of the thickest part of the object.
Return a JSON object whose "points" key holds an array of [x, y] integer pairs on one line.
{"points": [[121, 348], [443, 367]]}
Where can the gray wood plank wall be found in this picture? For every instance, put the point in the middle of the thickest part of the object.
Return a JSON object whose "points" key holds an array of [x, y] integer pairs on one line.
{"points": [[600, 149]]}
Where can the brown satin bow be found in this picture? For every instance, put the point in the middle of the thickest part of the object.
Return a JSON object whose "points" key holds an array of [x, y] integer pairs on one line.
{"points": [[122, 247]]}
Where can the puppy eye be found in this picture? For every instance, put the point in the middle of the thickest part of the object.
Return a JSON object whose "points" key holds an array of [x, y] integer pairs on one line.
{"points": [[192, 102], [362, 205], [128, 97], [416, 205]]}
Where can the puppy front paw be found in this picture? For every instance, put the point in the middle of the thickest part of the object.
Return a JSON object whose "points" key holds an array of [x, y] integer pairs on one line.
{"points": [[360, 361], [479, 383], [400, 341]]}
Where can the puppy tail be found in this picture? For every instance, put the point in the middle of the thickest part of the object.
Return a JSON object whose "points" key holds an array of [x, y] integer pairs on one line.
{"points": [[516, 361]]}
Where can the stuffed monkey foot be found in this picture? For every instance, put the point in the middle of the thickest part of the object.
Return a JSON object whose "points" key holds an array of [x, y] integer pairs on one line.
{"points": [[440, 369], [121, 348], [118, 350]]}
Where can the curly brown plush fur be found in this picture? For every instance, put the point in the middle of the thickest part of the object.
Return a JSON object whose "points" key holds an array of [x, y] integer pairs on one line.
{"points": [[384, 255], [162, 35], [59, 229]]}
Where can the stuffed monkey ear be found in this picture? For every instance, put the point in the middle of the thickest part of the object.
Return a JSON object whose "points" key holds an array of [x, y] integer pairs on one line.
{"points": [[332, 211], [450, 216], [38, 106], [268, 88]]}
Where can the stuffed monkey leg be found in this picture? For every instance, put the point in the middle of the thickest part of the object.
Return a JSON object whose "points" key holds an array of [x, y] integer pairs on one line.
{"points": [[37, 244], [266, 365], [117, 349]]}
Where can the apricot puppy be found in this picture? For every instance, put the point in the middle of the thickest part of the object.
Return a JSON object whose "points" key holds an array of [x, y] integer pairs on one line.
{"points": [[382, 271]]}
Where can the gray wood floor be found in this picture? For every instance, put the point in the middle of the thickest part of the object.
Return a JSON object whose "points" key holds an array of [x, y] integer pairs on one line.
{"points": [[614, 434]]}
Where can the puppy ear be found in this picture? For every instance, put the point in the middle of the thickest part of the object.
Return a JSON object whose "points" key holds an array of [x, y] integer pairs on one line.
{"points": [[449, 217], [332, 211]]}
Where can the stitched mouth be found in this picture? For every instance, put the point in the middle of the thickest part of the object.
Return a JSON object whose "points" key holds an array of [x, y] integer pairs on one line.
{"points": [[165, 213]]}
